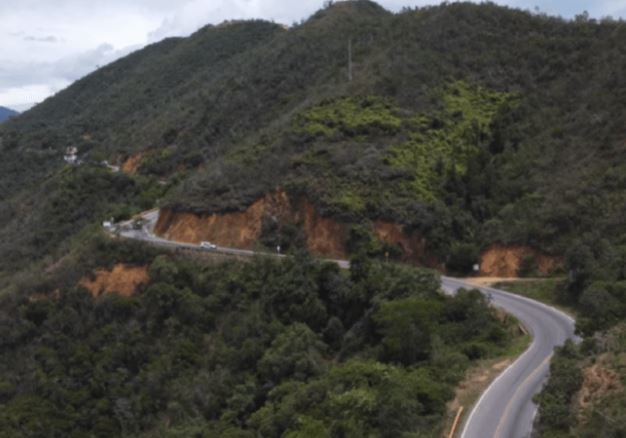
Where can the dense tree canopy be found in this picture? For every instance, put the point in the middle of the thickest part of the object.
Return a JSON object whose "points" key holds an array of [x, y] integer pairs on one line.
{"points": [[276, 348]]}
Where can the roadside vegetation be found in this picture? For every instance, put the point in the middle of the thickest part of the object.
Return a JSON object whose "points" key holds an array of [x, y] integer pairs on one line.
{"points": [[546, 290], [585, 395]]}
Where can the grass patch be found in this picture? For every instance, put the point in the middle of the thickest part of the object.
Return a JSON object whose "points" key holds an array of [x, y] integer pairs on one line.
{"points": [[543, 290]]}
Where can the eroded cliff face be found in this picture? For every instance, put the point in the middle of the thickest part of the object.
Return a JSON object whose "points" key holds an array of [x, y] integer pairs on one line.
{"points": [[236, 229], [506, 261], [325, 236]]}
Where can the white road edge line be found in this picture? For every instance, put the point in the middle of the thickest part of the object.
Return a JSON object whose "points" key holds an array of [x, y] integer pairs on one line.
{"points": [[527, 351], [492, 385]]}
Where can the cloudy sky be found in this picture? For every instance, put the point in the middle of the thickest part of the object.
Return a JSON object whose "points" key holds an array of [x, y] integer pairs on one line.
{"points": [[46, 45]]}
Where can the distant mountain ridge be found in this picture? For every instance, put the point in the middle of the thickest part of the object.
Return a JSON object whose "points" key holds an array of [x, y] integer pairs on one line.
{"points": [[6, 113]]}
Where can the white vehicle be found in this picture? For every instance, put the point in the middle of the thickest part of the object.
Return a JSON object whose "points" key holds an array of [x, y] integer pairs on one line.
{"points": [[208, 245]]}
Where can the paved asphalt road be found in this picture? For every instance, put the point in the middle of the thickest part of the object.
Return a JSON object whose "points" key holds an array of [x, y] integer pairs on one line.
{"points": [[506, 409]]}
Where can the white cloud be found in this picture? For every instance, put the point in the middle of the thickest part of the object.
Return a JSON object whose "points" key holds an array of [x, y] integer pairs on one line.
{"points": [[21, 96], [197, 13], [611, 7], [45, 46], [38, 80]]}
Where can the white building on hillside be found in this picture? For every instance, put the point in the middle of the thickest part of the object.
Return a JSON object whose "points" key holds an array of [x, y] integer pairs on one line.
{"points": [[71, 155]]}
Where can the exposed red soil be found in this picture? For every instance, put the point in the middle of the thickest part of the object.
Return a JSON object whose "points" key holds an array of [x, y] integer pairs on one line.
{"points": [[599, 381], [122, 279], [236, 229], [132, 163], [325, 236], [505, 261]]}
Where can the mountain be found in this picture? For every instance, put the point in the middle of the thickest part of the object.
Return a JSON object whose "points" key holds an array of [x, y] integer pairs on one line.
{"points": [[467, 126], [6, 113], [442, 136]]}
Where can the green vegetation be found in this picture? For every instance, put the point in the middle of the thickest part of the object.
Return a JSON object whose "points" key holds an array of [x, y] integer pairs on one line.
{"points": [[597, 284], [73, 201], [546, 290], [348, 117], [278, 348], [596, 289], [601, 359], [555, 400], [441, 145]]}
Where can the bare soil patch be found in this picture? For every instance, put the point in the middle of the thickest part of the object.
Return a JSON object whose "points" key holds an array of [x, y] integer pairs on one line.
{"points": [[122, 279], [505, 261]]}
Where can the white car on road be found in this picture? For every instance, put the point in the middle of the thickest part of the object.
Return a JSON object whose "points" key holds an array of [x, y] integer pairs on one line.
{"points": [[208, 245]]}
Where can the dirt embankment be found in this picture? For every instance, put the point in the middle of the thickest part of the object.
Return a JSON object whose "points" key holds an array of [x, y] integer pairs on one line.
{"points": [[132, 163], [236, 229], [506, 261], [599, 382], [325, 236], [122, 279]]}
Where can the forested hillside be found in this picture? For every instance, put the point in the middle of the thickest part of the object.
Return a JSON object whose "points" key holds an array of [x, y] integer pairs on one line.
{"points": [[264, 348], [464, 125]]}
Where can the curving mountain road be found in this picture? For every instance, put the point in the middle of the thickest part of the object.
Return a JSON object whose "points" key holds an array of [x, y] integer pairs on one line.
{"points": [[506, 408], [146, 234]]}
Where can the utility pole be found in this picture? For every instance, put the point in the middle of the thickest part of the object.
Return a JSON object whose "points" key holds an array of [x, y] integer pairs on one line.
{"points": [[350, 60]]}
